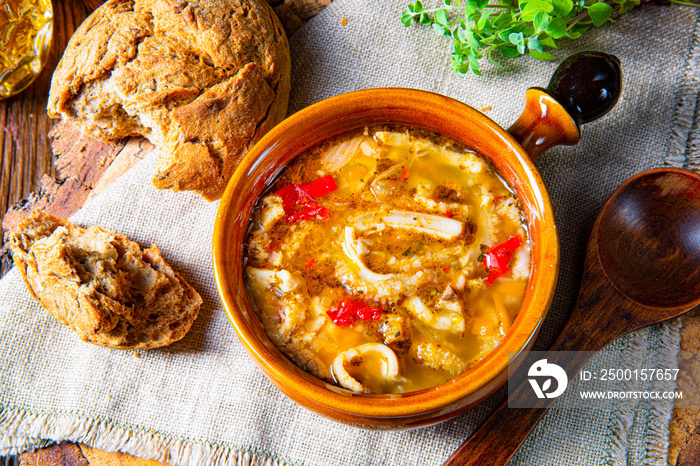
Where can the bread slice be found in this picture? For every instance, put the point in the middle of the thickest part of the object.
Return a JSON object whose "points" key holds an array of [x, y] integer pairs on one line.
{"points": [[203, 80], [102, 285]]}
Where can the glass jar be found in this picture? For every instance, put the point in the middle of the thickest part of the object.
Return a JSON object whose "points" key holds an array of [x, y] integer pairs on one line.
{"points": [[26, 28]]}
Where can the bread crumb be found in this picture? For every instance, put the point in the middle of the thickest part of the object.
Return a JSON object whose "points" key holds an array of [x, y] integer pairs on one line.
{"points": [[344, 22], [137, 354], [485, 109]]}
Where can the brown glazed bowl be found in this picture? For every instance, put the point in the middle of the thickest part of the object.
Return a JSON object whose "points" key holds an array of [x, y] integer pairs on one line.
{"points": [[545, 122]]}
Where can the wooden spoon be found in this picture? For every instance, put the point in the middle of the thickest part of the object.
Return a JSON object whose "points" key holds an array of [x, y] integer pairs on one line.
{"points": [[642, 267]]}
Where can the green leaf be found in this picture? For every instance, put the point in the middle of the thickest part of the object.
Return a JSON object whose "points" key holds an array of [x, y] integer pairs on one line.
{"points": [[442, 30], [474, 63], [472, 40], [548, 42], [504, 34], [459, 33], [562, 7], [472, 60], [518, 40], [535, 6], [484, 20], [556, 28], [460, 67], [578, 29], [479, 5], [441, 17], [600, 13], [534, 44], [541, 55], [528, 29], [509, 51], [540, 21], [502, 20], [625, 7], [478, 28]]}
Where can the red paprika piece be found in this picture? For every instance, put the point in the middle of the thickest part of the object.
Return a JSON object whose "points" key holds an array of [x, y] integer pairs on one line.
{"points": [[320, 187], [497, 259], [348, 311], [299, 201]]}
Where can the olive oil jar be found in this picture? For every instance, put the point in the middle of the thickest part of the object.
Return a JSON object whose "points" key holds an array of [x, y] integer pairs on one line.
{"points": [[26, 28]]}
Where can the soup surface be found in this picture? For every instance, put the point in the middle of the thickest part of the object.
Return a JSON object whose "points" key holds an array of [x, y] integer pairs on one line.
{"points": [[387, 261]]}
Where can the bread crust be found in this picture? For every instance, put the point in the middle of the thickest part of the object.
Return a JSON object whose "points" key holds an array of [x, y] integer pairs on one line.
{"points": [[102, 285], [203, 80]]}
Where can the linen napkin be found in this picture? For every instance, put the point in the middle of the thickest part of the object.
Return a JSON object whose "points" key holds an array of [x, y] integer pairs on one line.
{"points": [[201, 401]]}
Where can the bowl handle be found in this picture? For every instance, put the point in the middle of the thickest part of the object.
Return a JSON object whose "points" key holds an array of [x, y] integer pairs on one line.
{"points": [[583, 88]]}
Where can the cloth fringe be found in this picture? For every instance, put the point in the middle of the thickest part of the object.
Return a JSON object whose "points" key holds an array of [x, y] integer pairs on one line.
{"points": [[652, 349], [684, 140], [667, 347], [622, 418], [21, 431]]}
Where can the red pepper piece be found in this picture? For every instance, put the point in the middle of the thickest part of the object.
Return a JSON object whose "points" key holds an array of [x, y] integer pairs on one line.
{"points": [[348, 311], [497, 259], [320, 187], [405, 173], [299, 204], [309, 212]]}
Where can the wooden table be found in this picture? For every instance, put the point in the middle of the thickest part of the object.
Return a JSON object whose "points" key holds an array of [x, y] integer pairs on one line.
{"points": [[33, 178]]}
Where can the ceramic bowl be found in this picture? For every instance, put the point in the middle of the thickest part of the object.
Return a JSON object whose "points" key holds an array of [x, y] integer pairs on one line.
{"points": [[544, 122]]}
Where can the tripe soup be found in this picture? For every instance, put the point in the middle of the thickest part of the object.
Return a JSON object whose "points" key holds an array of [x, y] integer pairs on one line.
{"points": [[387, 260]]}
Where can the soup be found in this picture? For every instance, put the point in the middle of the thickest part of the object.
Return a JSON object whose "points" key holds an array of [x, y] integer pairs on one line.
{"points": [[387, 260]]}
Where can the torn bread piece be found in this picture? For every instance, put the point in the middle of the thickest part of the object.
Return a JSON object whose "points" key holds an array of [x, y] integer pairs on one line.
{"points": [[102, 285], [203, 80]]}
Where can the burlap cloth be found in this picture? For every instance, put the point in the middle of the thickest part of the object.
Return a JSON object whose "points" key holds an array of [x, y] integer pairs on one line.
{"points": [[202, 401]]}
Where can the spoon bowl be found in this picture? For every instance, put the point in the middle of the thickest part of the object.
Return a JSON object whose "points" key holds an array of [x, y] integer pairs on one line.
{"points": [[649, 239], [642, 267]]}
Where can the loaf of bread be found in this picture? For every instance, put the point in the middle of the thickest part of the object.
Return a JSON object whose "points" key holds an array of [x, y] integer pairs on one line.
{"points": [[203, 80], [102, 285]]}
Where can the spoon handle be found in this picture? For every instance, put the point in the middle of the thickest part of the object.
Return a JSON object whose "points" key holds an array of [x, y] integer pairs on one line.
{"points": [[501, 434]]}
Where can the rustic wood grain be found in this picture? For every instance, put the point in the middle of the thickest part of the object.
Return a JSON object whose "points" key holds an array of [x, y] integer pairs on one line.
{"points": [[24, 124], [690, 454], [80, 160], [684, 429]]}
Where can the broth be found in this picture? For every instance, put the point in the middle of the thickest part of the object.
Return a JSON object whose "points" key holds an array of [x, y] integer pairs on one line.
{"points": [[387, 260]]}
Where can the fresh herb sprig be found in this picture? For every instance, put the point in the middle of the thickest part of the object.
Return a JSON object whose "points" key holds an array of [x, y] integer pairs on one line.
{"points": [[478, 28]]}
